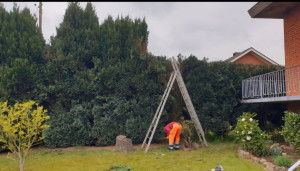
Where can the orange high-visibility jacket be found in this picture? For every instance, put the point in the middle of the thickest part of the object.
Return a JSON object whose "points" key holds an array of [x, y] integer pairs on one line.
{"points": [[169, 127]]}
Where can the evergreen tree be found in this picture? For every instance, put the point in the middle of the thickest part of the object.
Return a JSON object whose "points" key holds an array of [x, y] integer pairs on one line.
{"points": [[21, 47], [110, 96]]}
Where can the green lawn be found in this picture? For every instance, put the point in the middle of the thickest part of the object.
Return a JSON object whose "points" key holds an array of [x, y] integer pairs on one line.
{"points": [[203, 159]]}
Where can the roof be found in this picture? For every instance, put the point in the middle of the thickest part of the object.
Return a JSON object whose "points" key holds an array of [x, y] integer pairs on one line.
{"points": [[271, 9], [262, 57]]}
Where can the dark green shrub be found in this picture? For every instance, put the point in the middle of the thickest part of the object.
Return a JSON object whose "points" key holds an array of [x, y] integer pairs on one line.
{"points": [[70, 128], [187, 133], [291, 129], [283, 161]]}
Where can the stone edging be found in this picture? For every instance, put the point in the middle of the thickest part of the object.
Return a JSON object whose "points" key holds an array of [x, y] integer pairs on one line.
{"points": [[267, 165]]}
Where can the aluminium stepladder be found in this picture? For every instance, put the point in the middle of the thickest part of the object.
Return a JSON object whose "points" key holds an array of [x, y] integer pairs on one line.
{"points": [[174, 75]]}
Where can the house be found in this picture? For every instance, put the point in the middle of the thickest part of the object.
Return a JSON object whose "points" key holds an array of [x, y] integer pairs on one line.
{"points": [[282, 85], [251, 56]]}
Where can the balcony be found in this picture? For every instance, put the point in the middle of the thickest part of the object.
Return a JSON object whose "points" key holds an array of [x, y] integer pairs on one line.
{"points": [[277, 86]]}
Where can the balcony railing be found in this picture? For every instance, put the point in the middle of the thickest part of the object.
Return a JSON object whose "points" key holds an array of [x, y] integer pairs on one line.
{"points": [[279, 83]]}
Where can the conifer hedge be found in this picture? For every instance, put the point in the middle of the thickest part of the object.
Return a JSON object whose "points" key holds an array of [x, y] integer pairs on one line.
{"points": [[99, 81]]}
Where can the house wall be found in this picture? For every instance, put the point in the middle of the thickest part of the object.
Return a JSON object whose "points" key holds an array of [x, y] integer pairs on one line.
{"points": [[292, 37], [293, 107], [292, 45], [249, 59]]}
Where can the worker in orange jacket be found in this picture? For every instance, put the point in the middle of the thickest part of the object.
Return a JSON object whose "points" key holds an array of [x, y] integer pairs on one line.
{"points": [[173, 131]]}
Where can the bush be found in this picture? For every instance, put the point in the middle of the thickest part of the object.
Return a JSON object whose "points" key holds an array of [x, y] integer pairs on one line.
{"points": [[283, 161], [276, 151], [69, 128], [291, 129], [187, 132], [20, 128], [126, 117], [252, 137]]}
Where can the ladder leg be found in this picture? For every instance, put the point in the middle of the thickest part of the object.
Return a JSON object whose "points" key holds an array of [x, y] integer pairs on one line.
{"points": [[158, 109], [189, 104], [160, 112]]}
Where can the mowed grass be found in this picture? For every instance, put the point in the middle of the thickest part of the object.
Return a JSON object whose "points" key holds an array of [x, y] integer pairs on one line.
{"points": [[203, 159]]}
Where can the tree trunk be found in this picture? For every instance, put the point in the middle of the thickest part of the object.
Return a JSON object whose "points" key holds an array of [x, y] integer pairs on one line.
{"points": [[21, 164]]}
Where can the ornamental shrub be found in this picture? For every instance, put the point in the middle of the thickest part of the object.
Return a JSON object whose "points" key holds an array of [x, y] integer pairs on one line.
{"points": [[276, 151], [253, 138], [283, 161], [187, 132], [291, 129], [20, 128]]}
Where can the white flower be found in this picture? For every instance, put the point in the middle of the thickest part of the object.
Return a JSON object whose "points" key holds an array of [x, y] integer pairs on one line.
{"points": [[243, 140], [237, 132], [243, 119], [248, 138], [249, 132], [245, 126], [261, 134], [243, 132], [250, 119], [251, 128]]}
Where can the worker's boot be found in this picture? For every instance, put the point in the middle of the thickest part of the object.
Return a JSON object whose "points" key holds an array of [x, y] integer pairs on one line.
{"points": [[171, 147], [176, 146]]}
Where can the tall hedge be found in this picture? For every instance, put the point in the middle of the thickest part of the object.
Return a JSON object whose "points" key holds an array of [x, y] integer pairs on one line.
{"points": [[21, 55], [105, 89], [215, 89], [98, 80]]}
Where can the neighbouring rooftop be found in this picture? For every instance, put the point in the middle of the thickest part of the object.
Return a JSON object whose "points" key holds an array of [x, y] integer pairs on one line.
{"points": [[258, 55]]}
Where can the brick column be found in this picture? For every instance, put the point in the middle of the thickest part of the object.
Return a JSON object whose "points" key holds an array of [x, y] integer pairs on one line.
{"points": [[292, 49]]}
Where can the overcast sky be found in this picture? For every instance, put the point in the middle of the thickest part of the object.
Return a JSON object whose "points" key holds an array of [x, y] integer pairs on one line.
{"points": [[214, 30]]}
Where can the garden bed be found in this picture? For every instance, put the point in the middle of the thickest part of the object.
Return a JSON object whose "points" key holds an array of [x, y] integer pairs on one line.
{"points": [[268, 162]]}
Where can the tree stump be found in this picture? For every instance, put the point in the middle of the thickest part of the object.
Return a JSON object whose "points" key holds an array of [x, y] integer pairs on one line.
{"points": [[124, 144]]}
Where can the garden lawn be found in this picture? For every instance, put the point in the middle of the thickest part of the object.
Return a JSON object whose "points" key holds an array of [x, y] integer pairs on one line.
{"points": [[203, 159]]}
